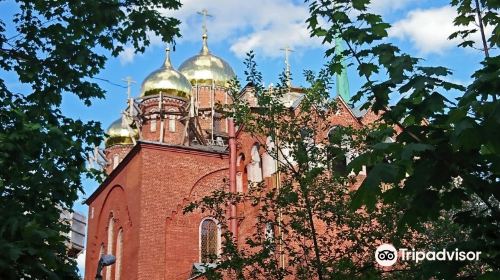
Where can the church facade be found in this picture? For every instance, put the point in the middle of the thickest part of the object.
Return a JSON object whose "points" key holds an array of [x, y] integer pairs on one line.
{"points": [[171, 148]]}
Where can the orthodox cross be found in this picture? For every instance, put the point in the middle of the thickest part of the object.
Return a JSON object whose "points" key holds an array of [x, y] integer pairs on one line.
{"points": [[129, 85], [204, 14], [287, 50]]}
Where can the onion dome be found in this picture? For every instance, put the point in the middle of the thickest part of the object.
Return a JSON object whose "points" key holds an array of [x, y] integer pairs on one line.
{"points": [[205, 68], [119, 134], [166, 80]]}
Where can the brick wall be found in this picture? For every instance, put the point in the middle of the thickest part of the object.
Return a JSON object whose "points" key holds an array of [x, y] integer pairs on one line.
{"points": [[116, 150], [170, 176], [147, 192], [117, 197], [149, 189]]}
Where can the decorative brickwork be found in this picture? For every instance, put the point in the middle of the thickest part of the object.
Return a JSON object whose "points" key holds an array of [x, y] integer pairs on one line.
{"points": [[146, 193]]}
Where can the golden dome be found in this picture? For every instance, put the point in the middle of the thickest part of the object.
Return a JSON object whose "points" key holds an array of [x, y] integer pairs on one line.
{"points": [[166, 80], [205, 68], [118, 134]]}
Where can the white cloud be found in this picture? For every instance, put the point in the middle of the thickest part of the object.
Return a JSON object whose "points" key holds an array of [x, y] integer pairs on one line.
{"points": [[264, 26], [428, 29], [387, 6], [127, 56], [296, 36]]}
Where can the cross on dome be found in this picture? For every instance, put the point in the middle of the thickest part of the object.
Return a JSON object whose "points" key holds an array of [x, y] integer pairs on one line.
{"points": [[287, 50], [204, 14], [167, 63]]}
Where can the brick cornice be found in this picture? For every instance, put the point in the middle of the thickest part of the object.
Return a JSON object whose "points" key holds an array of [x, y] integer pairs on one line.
{"points": [[184, 149]]}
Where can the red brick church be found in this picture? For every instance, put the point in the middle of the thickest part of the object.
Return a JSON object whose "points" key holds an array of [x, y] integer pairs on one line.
{"points": [[179, 150]]}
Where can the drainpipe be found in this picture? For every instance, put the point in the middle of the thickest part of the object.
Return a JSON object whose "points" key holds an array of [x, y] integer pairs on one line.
{"points": [[232, 178]]}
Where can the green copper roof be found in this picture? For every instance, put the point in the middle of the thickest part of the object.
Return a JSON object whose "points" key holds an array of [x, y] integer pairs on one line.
{"points": [[342, 80]]}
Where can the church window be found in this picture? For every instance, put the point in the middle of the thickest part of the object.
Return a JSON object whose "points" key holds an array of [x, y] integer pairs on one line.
{"points": [[239, 174], [101, 251], [111, 225], [119, 254], [209, 241], [239, 182], [254, 168], [116, 161], [152, 126], [268, 161], [171, 123]]}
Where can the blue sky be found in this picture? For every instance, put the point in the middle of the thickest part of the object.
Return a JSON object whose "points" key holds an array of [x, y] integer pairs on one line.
{"points": [[420, 27]]}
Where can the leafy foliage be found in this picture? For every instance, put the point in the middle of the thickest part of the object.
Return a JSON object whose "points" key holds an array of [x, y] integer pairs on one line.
{"points": [[445, 152], [58, 47], [305, 227]]}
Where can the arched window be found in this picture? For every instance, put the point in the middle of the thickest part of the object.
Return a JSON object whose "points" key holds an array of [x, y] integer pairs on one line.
{"points": [[254, 169], [239, 173], [209, 240], [116, 160], [101, 251], [152, 125], [268, 161], [171, 122], [109, 251], [218, 123], [119, 254], [239, 182]]}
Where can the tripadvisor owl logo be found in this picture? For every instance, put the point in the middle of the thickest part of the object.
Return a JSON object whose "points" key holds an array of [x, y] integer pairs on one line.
{"points": [[386, 255]]}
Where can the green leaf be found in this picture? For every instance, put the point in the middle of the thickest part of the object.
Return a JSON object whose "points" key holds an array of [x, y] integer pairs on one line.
{"points": [[367, 69], [360, 5], [414, 149], [491, 275], [370, 189]]}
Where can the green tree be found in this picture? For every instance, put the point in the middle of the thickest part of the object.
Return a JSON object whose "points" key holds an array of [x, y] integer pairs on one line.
{"points": [[447, 154], [304, 227], [57, 48]]}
